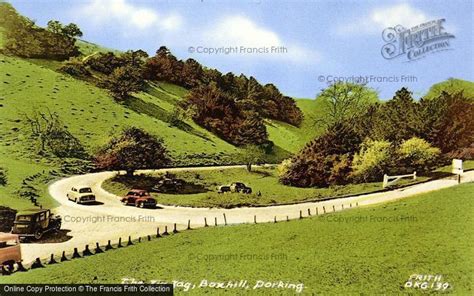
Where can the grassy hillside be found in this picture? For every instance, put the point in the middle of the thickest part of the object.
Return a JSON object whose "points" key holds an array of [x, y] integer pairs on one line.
{"points": [[93, 116], [350, 252], [293, 138], [451, 85]]}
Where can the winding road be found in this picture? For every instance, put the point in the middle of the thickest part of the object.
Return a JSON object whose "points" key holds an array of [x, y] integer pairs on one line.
{"points": [[112, 220]]}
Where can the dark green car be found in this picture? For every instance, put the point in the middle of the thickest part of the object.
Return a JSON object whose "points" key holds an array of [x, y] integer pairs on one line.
{"points": [[35, 223]]}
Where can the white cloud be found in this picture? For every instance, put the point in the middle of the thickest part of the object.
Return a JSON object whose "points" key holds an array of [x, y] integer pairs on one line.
{"points": [[383, 17], [129, 15], [239, 31]]}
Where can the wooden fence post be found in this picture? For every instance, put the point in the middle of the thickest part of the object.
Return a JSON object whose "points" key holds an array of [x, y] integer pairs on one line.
{"points": [[225, 219], [205, 222], [189, 224]]}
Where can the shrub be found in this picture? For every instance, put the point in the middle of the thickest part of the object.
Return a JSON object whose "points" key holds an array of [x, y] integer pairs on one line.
{"points": [[417, 154], [372, 160], [75, 67], [325, 160], [3, 177], [133, 149], [284, 167]]}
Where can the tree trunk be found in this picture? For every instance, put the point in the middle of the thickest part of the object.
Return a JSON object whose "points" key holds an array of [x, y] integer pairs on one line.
{"points": [[249, 167], [129, 173]]}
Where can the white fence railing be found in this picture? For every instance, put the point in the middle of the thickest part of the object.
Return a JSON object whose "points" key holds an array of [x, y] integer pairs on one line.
{"points": [[389, 180]]}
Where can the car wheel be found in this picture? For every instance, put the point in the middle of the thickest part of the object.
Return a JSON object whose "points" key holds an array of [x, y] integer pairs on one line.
{"points": [[141, 205], [38, 234]]}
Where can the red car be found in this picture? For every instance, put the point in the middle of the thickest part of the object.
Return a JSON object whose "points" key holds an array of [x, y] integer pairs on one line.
{"points": [[139, 198]]}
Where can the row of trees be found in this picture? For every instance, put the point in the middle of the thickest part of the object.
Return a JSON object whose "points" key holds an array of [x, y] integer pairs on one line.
{"points": [[248, 93], [23, 38], [231, 107], [397, 136]]}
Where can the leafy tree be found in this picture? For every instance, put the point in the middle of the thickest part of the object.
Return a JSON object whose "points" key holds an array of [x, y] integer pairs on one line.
{"points": [[344, 101], [325, 160], [397, 119], [253, 155], [123, 81], [23, 38], [372, 161], [448, 121], [132, 150], [55, 26], [417, 154], [216, 111], [72, 31]]}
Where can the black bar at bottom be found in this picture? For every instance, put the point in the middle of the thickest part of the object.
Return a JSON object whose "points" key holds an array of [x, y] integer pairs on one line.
{"points": [[86, 289]]}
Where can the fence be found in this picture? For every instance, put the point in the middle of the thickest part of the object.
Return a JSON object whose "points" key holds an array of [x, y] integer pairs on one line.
{"points": [[98, 249], [389, 180]]}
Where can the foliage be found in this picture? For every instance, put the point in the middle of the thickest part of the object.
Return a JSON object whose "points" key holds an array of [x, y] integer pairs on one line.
{"points": [[23, 38], [449, 121], [253, 154], [398, 119], [75, 68], [123, 81], [372, 161], [71, 30], [343, 101], [249, 94], [416, 154], [284, 167], [133, 149], [3, 177], [325, 160], [451, 86], [217, 111]]}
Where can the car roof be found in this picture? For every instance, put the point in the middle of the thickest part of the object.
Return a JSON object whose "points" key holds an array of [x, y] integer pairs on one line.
{"points": [[31, 211], [138, 190], [82, 187], [7, 236]]}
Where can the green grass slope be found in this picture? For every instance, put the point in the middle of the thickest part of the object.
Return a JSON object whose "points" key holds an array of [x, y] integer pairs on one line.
{"points": [[369, 250], [451, 85], [93, 116], [291, 138]]}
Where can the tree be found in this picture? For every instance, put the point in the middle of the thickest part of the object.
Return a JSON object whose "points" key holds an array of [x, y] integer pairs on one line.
{"points": [[448, 121], [253, 154], [71, 30], [398, 119], [55, 26], [123, 81], [417, 154], [132, 150], [372, 161], [344, 101], [325, 160]]}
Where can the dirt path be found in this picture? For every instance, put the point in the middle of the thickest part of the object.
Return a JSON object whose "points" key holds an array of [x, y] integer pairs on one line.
{"points": [[111, 220]]}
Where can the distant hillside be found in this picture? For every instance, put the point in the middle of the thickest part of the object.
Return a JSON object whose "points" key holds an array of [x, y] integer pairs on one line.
{"points": [[451, 85]]}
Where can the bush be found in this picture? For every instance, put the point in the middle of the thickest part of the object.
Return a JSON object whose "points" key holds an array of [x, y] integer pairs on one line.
{"points": [[372, 161], [3, 177], [417, 154], [75, 68], [324, 161], [284, 167]]}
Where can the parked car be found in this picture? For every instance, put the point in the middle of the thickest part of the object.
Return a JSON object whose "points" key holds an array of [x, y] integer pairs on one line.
{"points": [[139, 198], [223, 189], [35, 223], [240, 188], [10, 249], [81, 195], [168, 185], [236, 187]]}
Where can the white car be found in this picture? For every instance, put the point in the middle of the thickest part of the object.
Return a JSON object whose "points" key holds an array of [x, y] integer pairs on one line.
{"points": [[81, 195]]}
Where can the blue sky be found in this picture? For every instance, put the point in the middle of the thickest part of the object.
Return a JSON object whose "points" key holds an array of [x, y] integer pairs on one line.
{"points": [[323, 39]]}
